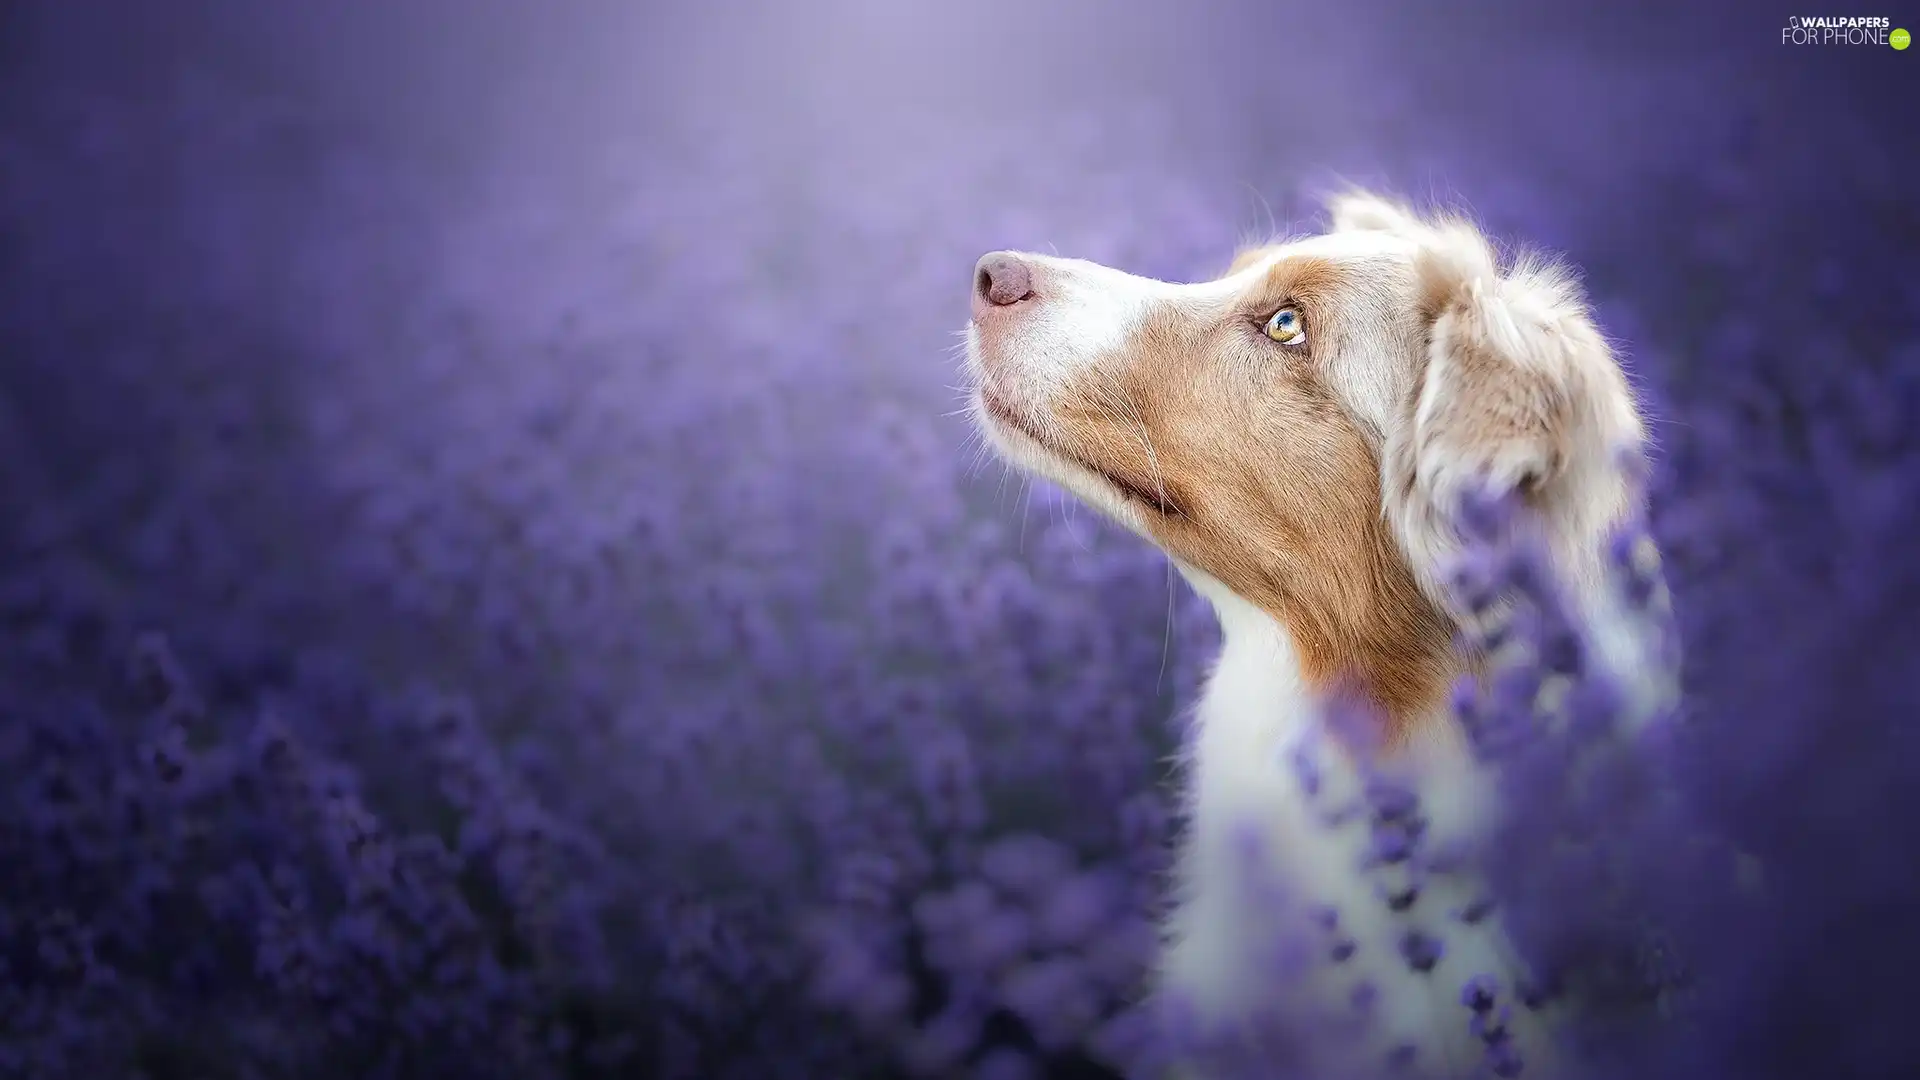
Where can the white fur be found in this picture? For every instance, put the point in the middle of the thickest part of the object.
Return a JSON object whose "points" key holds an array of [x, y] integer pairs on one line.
{"points": [[1229, 930]]}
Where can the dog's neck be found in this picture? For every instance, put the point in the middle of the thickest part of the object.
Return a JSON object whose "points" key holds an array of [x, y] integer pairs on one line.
{"points": [[1398, 667], [1395, 662], [1402, 663]]}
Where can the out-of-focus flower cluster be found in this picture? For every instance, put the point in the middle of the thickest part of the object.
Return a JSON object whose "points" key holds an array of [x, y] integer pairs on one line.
{"points": [[545, 627]]}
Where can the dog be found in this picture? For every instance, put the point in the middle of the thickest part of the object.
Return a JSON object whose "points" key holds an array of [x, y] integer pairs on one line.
{"points": [[1295, 436]]}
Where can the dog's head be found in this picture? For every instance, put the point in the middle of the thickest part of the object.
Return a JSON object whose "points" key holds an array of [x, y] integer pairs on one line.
{"points": [[1299, 429]]}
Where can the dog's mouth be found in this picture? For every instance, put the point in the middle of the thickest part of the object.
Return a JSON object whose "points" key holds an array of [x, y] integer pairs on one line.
{"points": [[1007, 417]]}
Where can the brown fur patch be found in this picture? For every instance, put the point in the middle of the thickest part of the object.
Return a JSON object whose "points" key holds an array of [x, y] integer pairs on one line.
{"points": [[1270, 485]]}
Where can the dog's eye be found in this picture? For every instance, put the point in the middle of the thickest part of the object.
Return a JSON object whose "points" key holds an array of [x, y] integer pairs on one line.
{"points": [[1287, 327]]}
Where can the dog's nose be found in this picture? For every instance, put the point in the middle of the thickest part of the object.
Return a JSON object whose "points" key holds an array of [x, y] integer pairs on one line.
{"points": [[1001, 279]]}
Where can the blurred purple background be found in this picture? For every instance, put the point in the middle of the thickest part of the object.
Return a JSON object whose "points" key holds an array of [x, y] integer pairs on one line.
{"points": [[488, 554]]}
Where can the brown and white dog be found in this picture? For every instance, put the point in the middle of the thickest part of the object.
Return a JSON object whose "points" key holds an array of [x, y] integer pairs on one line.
{"points": [[1294, 436]]}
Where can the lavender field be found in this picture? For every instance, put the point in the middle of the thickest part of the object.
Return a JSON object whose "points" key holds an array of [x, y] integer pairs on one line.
{"points": [[493, 582]]}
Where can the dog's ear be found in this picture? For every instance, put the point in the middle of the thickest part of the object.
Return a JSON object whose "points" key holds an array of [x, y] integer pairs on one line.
{"points": [[1508, 359], [1518, 391]]}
